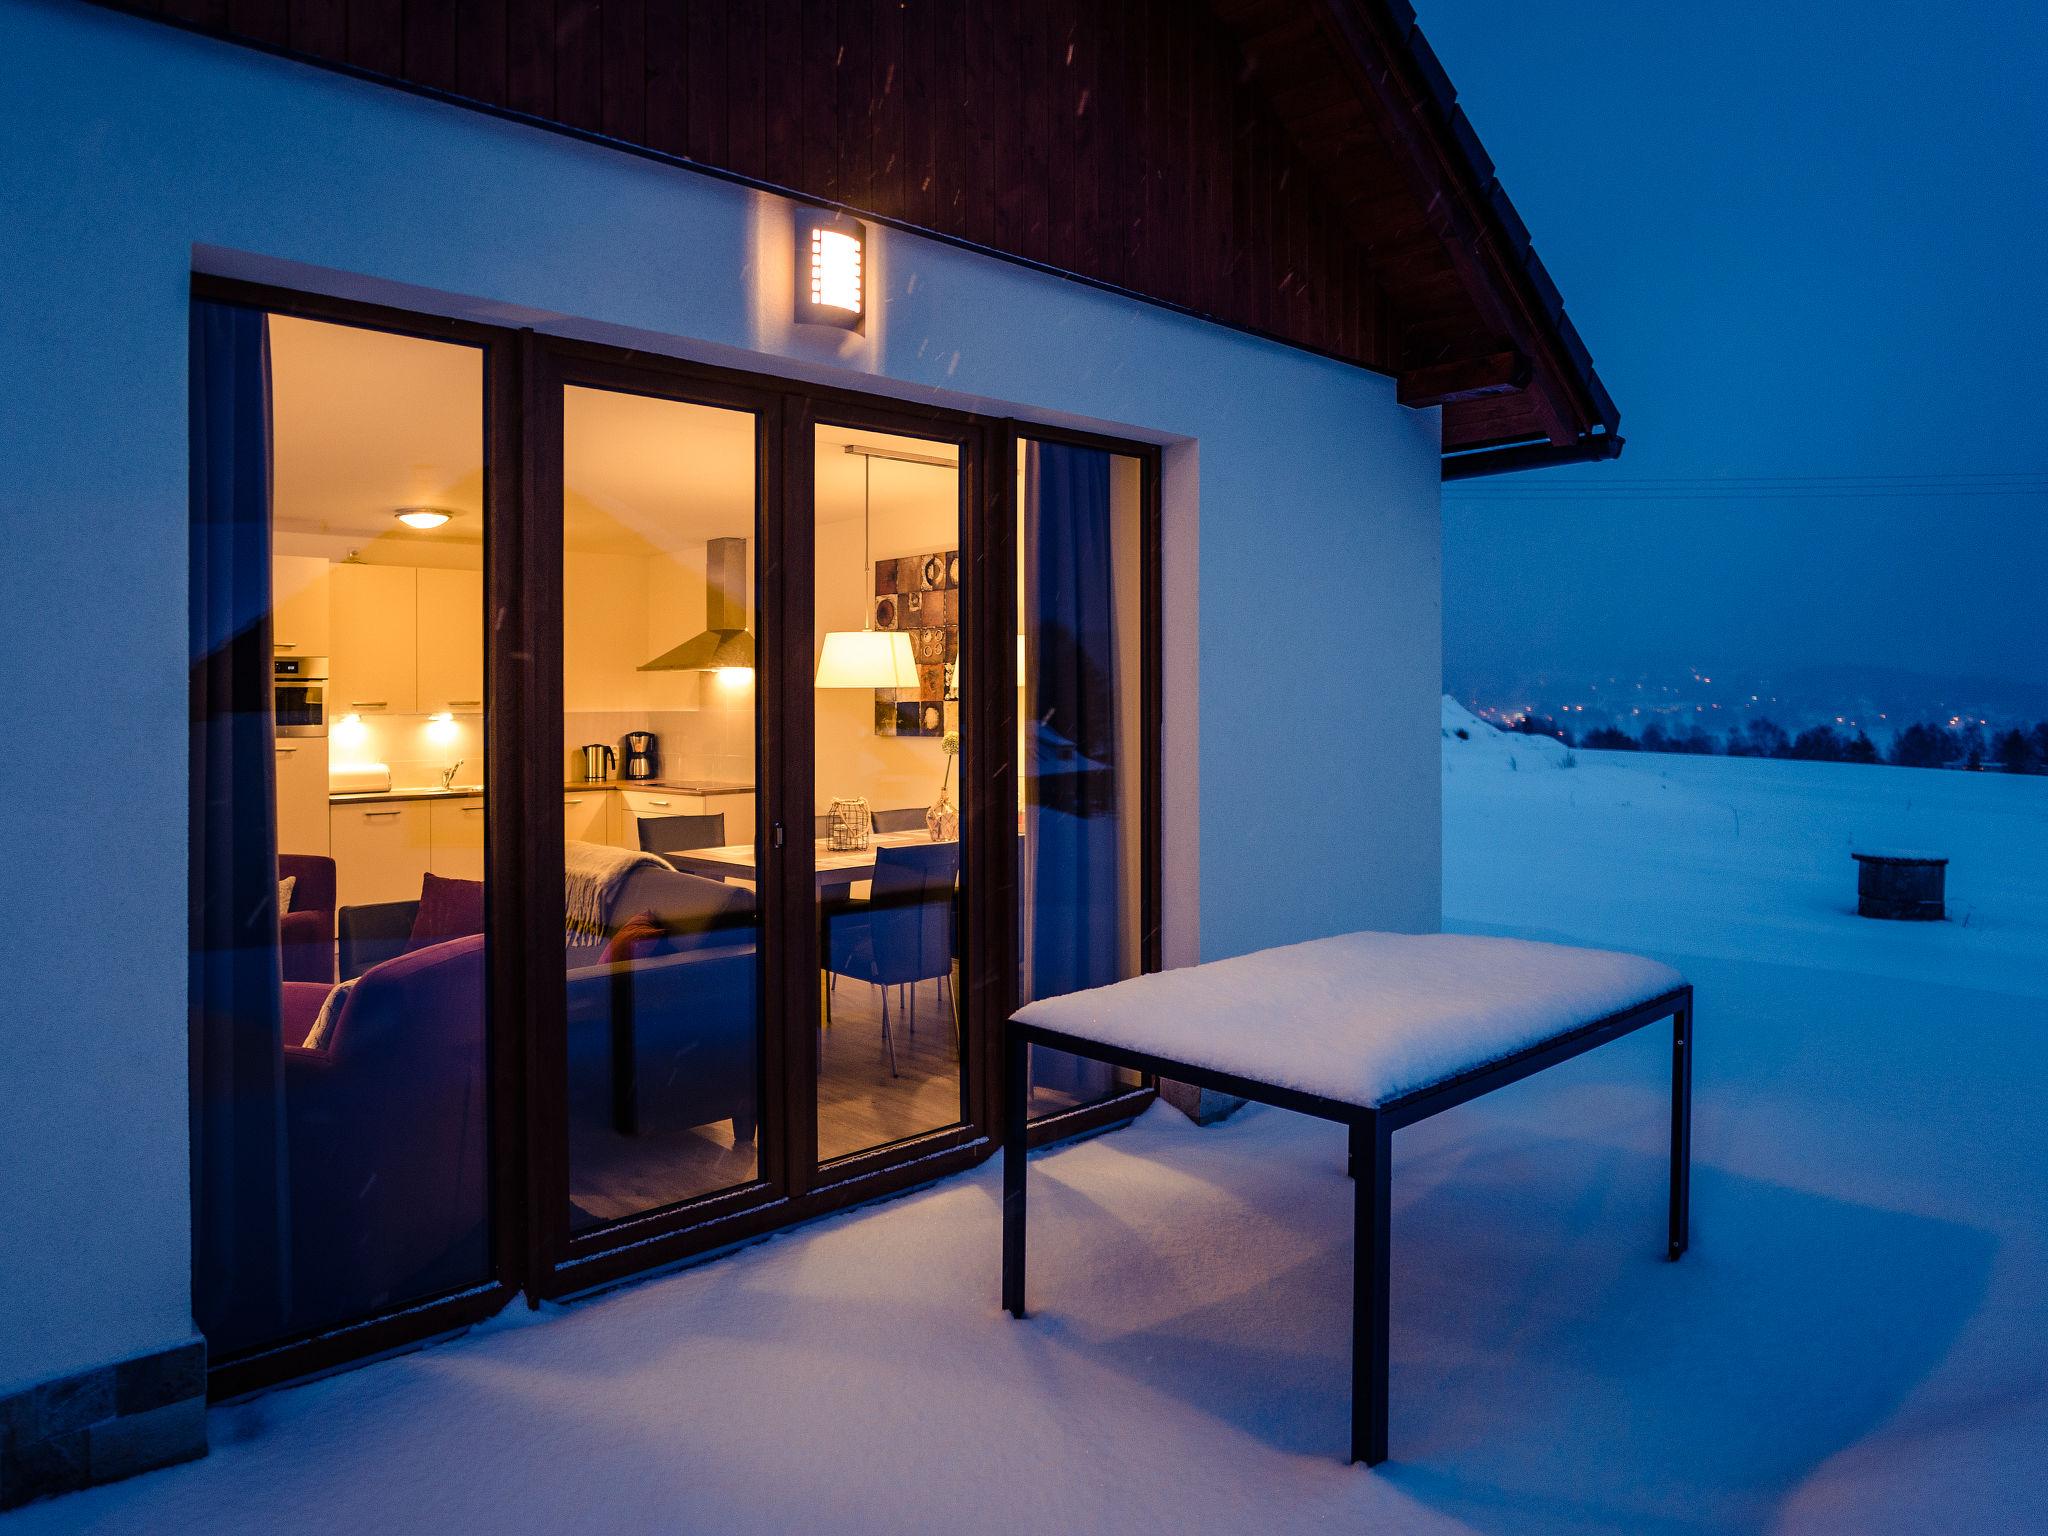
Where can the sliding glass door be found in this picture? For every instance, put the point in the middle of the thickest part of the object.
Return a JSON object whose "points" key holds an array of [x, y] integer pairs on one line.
{"points": [[890, 608], [662, 939], [780, 739], [342, 1146]]}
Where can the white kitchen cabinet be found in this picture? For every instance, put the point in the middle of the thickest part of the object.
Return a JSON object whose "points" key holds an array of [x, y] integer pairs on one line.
{"points": [[456, 837], [451, 641], [374, 666], [302, 795], [584, 815], [299, 622], [382, 849]]}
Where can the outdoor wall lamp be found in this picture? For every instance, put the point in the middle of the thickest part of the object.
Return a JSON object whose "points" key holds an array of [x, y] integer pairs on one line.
{"points": [[831, 270]]}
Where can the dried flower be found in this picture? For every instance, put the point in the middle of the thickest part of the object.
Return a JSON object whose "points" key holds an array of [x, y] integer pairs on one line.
{"points": [[950, 743]]}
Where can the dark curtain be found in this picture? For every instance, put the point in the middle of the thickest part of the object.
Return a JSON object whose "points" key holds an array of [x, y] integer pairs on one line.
{"points": [[241, 1271], [1073, 880]]}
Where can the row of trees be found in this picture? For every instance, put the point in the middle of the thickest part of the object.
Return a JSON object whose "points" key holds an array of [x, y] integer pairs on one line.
{"points": [[1917, 746]]}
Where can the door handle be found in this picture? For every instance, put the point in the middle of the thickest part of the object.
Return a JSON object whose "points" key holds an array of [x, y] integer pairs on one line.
{"points": [[369, 703], [776, 836], [375, 815]]}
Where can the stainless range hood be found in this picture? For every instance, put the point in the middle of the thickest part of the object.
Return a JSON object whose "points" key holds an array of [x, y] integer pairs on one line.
{"points": [[725, 642]]}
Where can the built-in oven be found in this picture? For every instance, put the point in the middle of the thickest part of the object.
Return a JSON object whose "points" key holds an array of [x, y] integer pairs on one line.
{"points": [[299, 695]]}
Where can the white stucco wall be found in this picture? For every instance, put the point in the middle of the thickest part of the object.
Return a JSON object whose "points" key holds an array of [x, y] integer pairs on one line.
{"points": [[1301, 505]]}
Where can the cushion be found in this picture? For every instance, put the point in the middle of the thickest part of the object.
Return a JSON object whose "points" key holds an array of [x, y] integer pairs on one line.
{"points": [[284, 894], [449, 909], [639, 937], [330, 1010]]}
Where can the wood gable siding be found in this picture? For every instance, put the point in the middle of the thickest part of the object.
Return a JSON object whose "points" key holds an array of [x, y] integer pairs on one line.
{"points": [[1255, 162]]}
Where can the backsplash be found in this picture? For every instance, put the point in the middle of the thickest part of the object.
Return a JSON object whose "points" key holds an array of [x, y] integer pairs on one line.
{"points": [[714, 741], [416, 748]]}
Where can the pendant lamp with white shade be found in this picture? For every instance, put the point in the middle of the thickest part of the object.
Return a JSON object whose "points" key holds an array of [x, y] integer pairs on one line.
{"points": [[866, 657]]}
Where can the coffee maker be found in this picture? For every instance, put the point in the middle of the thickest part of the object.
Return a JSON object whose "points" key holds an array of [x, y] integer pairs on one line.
{"points": [[640, 754]]}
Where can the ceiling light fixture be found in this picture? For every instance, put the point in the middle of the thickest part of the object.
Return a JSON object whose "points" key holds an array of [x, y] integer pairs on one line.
{"points": [[423, 517]]}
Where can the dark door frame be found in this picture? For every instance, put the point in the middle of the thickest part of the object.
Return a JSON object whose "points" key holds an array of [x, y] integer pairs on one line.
{"points": [[532, 1248]]}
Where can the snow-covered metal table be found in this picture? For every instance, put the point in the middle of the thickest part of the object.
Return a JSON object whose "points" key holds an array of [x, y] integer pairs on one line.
{"points": [[1375, 1031]]}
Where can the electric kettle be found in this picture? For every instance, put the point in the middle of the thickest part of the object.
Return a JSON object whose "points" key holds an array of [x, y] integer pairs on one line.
{"points": [[598, 762]]}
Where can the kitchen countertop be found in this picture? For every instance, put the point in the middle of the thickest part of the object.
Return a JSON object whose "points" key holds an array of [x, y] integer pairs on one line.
{"points": [[472, 792]]}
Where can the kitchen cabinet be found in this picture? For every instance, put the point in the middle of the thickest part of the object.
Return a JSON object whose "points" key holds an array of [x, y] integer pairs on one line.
{"points": [[450, 641], [455, 830], [299, 621], [302, 795], [373, 666], [382, 849], [584, 815]]}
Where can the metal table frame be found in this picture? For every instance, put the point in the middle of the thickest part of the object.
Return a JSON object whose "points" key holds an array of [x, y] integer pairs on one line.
{"points": [[1372, 1130]]}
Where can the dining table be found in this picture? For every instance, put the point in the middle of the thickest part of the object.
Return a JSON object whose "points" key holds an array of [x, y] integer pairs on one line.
{"points": [[834, 867]]}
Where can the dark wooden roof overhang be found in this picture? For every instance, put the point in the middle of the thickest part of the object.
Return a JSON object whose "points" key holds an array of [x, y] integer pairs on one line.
{"points": [[1298, 169], [1482, 328]]}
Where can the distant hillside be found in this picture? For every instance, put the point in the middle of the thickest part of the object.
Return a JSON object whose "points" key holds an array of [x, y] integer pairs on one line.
{"points": [[1879, 700]]}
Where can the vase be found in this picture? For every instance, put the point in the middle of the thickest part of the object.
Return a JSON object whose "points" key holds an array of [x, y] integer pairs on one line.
{"points": [[943, 819]]}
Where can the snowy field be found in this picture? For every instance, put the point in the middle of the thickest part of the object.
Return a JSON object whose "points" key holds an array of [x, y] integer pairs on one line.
{"points": [[1858, 1342]]}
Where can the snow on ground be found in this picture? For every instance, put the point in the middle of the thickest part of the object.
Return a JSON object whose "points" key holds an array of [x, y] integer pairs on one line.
{"points": [[1858, 1342]]}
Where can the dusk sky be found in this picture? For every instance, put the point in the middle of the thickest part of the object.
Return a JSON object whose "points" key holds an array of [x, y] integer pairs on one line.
{"points": [[1806, 246]]}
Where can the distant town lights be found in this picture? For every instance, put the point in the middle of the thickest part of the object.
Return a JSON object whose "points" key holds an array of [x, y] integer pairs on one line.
{"points": [[831, 271]]}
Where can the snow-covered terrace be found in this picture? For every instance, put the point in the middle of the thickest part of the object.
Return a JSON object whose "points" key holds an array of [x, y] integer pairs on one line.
{"points": [[1857, 1343]]}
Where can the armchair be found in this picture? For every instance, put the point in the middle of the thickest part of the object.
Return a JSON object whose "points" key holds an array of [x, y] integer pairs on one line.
{"points": [[386, 1126], [306, 933]]}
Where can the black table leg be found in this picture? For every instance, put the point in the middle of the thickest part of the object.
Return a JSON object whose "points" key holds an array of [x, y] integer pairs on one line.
{"points": [[1372, 1159], [1681, 1127], [1016, 1106]]}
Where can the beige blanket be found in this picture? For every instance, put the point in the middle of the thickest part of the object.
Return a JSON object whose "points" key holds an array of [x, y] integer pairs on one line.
{"points": [[592, 875]]}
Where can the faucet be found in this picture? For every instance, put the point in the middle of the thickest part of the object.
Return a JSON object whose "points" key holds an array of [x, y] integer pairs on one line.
{"points": [[448, 773]]}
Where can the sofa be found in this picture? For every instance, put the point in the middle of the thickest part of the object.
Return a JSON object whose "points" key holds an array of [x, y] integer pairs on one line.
{"points": [[663, 1033], [664, 1037]]}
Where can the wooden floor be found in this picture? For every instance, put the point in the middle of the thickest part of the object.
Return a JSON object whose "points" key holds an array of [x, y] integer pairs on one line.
{"points": [[861, 1104]]}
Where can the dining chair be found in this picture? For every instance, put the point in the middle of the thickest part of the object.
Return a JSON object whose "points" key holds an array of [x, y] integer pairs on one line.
{"points": [[680, 834], [910, 819], [902, 934]]}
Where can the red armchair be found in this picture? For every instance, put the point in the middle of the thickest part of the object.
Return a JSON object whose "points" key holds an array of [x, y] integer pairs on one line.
{"points": [[306, 933]]}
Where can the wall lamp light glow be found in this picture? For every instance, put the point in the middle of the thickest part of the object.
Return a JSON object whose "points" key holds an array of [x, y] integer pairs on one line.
{"points": [[441, 727], [349, 731], [831, 270]]}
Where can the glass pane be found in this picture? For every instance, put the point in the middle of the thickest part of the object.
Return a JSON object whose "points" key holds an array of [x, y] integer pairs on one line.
{"points": [[1080, 575], [664, 1035], [338, 824], [888, 737]]}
